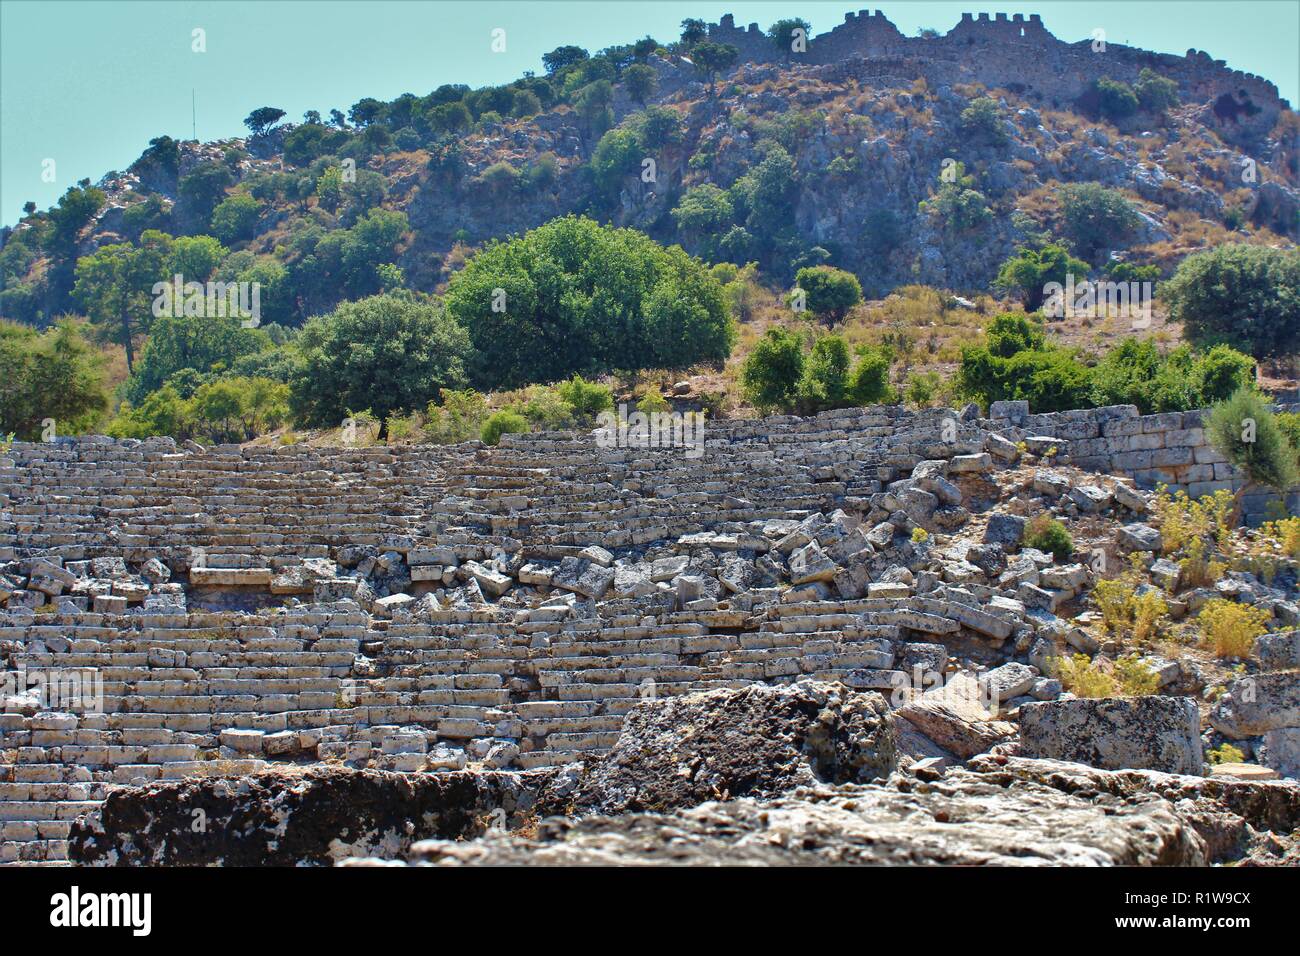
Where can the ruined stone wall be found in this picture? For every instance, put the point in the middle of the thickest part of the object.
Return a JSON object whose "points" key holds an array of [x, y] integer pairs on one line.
{"points": [[1170, 448], [1018, 52]]}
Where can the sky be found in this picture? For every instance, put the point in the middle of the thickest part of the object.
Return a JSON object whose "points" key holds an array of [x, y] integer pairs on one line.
{"points": [[88, 84]]}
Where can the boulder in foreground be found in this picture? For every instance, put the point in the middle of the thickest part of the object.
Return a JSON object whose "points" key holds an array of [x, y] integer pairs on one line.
{"points": [[1115, 733], [755, 741]]}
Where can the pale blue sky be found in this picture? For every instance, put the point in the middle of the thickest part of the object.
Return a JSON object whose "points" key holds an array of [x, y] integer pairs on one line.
{"points": [[88, 84]]}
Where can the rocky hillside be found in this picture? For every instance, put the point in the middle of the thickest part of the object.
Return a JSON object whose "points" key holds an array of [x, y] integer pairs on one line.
{"points": [[904, 160]]}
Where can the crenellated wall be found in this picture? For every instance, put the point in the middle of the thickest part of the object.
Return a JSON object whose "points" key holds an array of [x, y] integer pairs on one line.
{"points": [[1017, 51]]}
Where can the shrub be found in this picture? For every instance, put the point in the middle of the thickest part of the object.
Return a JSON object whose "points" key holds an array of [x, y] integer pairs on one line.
{"points": [[982, 119], [1026, 273], [920, 535], [502, 423], [652, 400], [1244, 430], [1135, 678], [459, 418], [1115, 100], [1240, 295], [587, 399], [1097, 218], [771, 374], [826, 372], [1231, 628], [1085, 678], [1149, 612], [830, 292], [869, 382], [1081, 677], [235, 218], [1156, 94], [1047, 534], [1224, 753], [1114, 599], [55, 374], [1182, 519]]}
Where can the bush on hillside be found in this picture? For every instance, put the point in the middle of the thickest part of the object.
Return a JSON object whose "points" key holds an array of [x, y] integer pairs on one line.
{"points": [[1244, 430], [1240, 295]]}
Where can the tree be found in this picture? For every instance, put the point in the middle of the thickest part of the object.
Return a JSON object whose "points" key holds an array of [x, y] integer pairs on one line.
{"points": [[51, 375], [712, 59], [869, 382], [262, 119], [235, 218], [1240, 295], [771, 374], [1115, 100], [114, 286], [693, 31], [388, 353], [205, 186], [563, 56], [1156, 94], [201, 343], [785, 33], [1096, 218], [640, 81], [329, 188], [829, 292], [574, 296], [1028, 272], [312, 117], [703, 215], [365, 111], [826, 374], [1245, 431]]}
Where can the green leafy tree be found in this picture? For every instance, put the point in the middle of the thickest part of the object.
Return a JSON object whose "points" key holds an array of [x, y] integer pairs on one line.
{"points": [[114, 286], [235, 218], [785, 32], [1096, 218], [712, 59], [200, 343], [587, 399], [1115, 100], [262, 119], [1240, 295], [640, 81], [388, 353], [869, 381], [203, 187], [825, 381], [55, 374], [503, 423], [1029, 270], [693, 31], [574, 296], [830, 292], [562, 57], [772, 372], [1244, 430], [1155, 93]]}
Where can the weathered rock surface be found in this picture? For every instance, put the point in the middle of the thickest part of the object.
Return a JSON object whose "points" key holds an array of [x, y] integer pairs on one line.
{"points": [[284, 818], [1150, 733], [756, 741], [961, 819]]}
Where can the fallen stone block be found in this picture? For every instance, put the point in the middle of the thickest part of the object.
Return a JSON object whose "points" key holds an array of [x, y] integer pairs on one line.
{"points": [[1151, 733]]}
